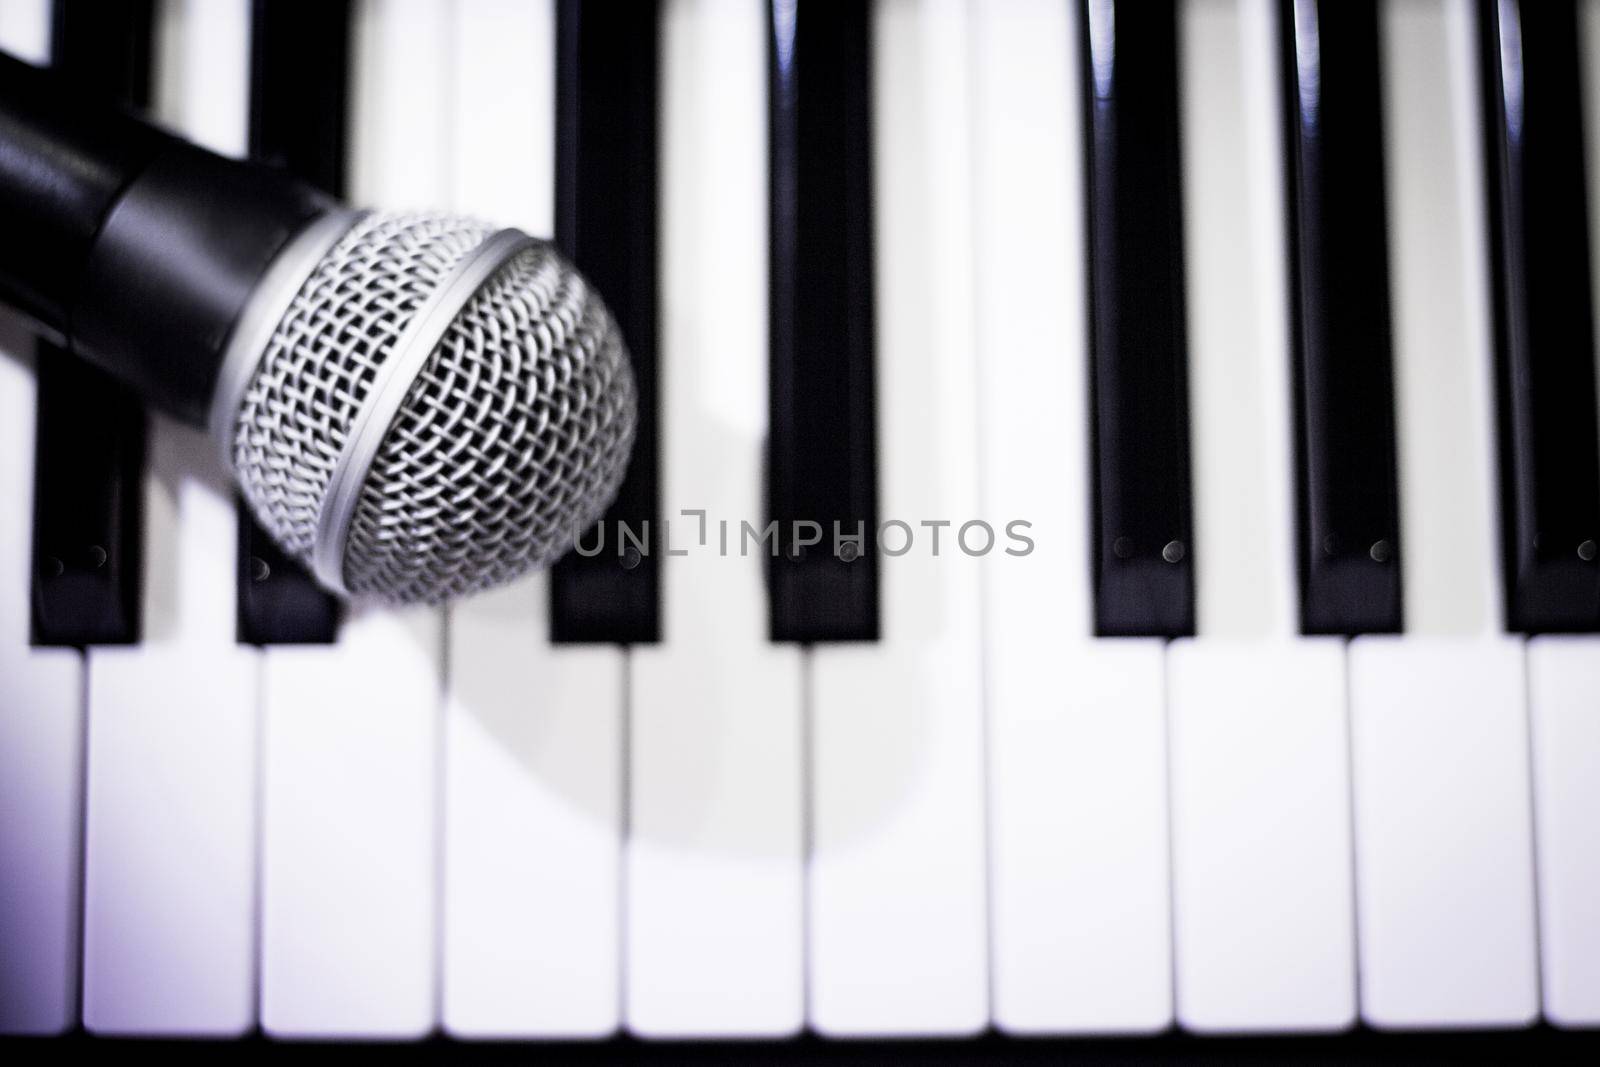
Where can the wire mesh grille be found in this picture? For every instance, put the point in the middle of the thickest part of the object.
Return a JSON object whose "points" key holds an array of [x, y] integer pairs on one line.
{"points": [[511, 440]]}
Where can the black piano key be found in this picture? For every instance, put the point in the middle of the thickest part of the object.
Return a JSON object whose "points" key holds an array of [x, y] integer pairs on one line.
{"points": [[88, 528], [1144, 584], [606, 182], [1346, 489], [88, 506], [821, 464], [105, 48], [1543, 315], [278, 602], [299, 90]]}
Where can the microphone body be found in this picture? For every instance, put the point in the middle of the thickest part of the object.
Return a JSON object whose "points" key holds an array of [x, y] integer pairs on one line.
{"points": [[416, 406], [136, 249]]}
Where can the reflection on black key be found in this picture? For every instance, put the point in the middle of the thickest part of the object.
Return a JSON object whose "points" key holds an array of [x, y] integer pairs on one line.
{"points": [[88, 529], [1142, 560], [1544, 324], [606, 182], [821, 473], [1347, 507], [299, 89]]}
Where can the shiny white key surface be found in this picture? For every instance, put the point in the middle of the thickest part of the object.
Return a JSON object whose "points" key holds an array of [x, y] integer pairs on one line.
{"points": [[898, 911], [533, 743], [1077, 728], [1261, 836], [352, 730], [41, 727], [1563, 695], [1443, 833], [170, 831], [713, 882], [1261, 881]]}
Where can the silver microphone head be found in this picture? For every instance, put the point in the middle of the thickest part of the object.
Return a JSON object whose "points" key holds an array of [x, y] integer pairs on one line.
{"points": [[420, 406]]}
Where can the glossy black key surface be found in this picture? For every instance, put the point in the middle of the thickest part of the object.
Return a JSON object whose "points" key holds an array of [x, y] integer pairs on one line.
{"points": [[1144, 583], [821, 468], [606, 182], [1543, 315], [299, 92], [1345, 471], [88, 506]]}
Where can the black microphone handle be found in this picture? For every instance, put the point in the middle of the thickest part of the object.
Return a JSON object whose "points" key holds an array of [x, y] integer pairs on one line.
{"points": [[135, 247]]}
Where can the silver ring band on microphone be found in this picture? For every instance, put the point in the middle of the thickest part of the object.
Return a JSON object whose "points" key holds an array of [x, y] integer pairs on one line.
{"points": [[390, 386], [261, 316]]}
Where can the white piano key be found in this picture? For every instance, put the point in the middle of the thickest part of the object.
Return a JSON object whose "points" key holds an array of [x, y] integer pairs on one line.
{"points": [[533, 815], [41, 709], [401, 74], [202, 80], [25, 31], [1263, 926], [41, 719], [1443, 834], [1081, 937], [1443, 853], [170, 869], [352, 730], [1080, 940], [349, 874], [533, 733], [1261, 882], [170, 828], [898, 889], [1030, 305], [41, 748], [1439, 293], [503, 117], [1563, 683], [713, 881], [1245, 584]]}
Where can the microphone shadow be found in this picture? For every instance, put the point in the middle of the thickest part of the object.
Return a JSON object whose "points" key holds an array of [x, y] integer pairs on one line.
{"points": [[533, 733]]}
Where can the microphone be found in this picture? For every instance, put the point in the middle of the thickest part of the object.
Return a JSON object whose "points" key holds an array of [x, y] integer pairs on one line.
{"points": [[417, 406]]}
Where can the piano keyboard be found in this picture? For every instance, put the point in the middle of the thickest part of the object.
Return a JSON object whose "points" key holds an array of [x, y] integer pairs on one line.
{"points": [[1273, 321]]}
